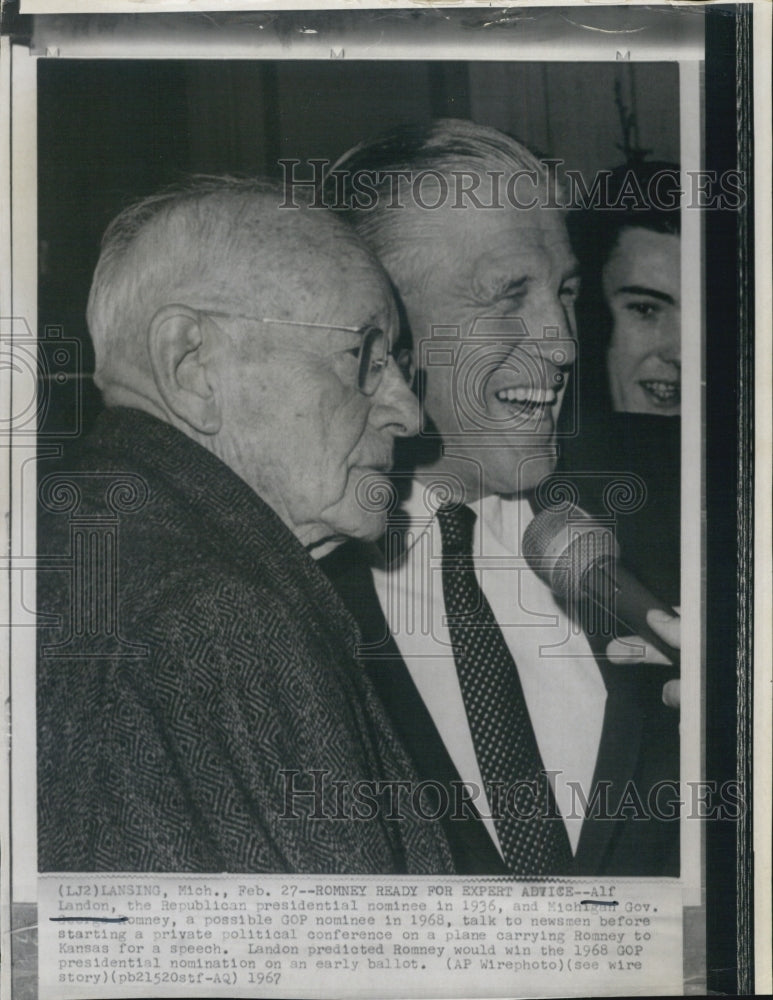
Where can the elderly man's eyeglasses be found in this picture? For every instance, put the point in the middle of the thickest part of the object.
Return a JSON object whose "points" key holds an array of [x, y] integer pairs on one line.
{"points": [[372, 355]]}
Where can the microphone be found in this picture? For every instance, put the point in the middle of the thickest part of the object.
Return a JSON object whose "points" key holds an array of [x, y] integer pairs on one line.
{"points": [[579, 559]]}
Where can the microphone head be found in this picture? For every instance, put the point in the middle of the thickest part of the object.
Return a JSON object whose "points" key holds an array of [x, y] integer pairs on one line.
{"points": [[562, 545]]}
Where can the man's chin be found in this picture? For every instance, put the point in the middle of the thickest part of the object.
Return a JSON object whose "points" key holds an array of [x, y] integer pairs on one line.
{"points": [[525, 475], [363, 529], [362, 511], [370, 495], [372, 530], [343, 529]]}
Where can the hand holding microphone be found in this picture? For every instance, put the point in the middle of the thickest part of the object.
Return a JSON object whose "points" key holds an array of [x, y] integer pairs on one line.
{"points": [[669, 628], [578, 558]]}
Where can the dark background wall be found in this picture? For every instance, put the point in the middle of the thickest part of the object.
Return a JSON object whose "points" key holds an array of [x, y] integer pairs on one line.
{"points": [[114, 130]]}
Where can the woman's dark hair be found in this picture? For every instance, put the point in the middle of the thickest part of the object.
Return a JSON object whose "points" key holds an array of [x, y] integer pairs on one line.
{"points": [[642, 195]]}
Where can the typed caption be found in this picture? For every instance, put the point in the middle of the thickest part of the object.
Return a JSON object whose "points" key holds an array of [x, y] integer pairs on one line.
{"points": [[104, 936]]}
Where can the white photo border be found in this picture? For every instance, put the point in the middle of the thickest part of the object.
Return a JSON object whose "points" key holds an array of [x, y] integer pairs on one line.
{"points": [[22, 253]]}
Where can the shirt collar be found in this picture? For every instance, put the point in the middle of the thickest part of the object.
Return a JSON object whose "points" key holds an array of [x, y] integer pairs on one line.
{"points": [[503, 517]]}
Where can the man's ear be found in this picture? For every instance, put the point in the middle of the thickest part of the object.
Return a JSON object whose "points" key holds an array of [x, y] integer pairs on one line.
{"points": [[179, 340]]}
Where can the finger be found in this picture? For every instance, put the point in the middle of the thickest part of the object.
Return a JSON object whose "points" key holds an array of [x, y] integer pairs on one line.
{"points": [[666, 626], [672, 696], [633, 649]]}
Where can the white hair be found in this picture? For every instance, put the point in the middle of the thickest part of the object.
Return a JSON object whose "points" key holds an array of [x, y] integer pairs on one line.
{"points": [[442, 146], [185, 244]]}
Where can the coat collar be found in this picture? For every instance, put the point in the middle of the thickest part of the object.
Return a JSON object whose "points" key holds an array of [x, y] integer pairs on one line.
{"points": [[245, 528]]}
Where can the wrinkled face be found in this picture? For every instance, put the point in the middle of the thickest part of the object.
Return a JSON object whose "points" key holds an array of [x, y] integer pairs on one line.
{"points": [[302, 434], [506, 280], [641, 282]]}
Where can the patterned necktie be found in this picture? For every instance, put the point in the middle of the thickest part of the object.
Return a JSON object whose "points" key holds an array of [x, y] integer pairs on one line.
{"points": [[532, 834]]}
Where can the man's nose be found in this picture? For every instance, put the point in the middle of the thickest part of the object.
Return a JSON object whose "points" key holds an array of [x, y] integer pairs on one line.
{"points": [[552, 333], [554, 343], [395, 407], [559, 349]]}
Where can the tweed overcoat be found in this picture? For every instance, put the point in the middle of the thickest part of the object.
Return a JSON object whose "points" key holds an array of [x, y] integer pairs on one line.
{"points": [[196, 676]]}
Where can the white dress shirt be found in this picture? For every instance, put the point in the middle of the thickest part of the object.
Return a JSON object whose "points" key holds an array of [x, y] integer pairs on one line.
{"points": [[561, 681]]}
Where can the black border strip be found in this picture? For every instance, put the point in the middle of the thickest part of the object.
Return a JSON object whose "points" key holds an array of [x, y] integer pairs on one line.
{"points": [[729, 500], [746, 361]]}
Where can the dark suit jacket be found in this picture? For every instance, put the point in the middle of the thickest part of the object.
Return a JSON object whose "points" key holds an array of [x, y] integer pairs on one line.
{"points": [[639, 749], [627, 466], [197, 669]]}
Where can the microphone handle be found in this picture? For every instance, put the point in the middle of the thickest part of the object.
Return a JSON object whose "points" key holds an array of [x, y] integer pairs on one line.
{"points": [[609, 586]]}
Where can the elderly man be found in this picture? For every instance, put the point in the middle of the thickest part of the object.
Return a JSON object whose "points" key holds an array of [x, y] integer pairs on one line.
{"points": [[489, 682], [199, 707]]}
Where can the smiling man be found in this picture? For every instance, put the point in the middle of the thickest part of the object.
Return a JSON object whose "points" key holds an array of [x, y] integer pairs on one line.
{"points": [[499, 295], [197, 675], [493, 688]]}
